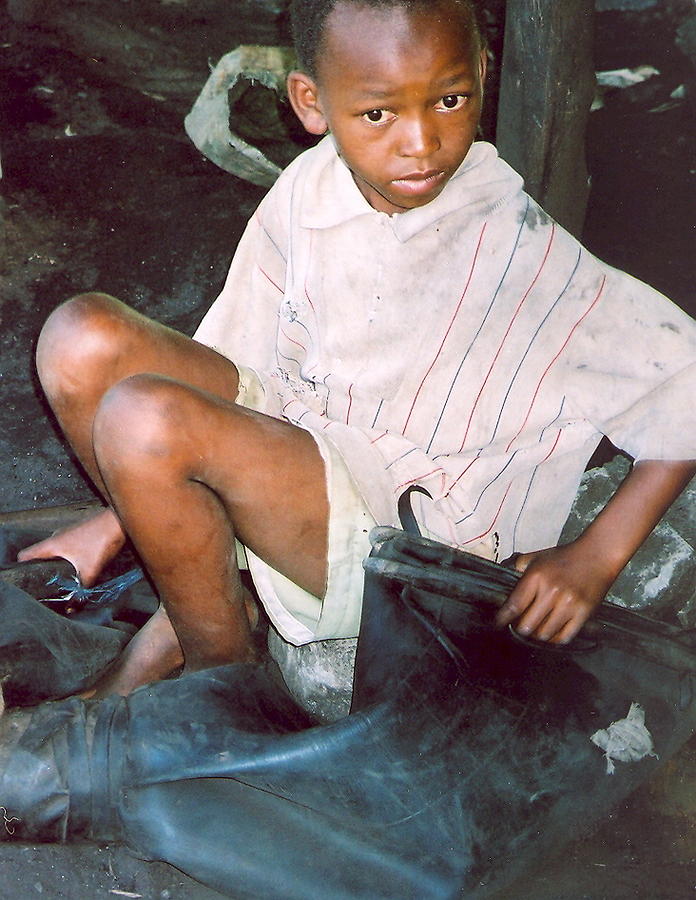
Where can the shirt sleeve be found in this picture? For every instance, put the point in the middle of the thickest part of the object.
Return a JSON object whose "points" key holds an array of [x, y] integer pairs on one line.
{"points": [[631, 370], [242, 323]]}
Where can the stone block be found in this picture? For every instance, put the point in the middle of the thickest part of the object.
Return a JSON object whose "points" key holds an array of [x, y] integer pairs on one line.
{"points": [[318, 675], [659, 580]]}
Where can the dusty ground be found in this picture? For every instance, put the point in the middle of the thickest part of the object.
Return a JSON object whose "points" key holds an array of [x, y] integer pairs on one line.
{"points": [[102, 189]]}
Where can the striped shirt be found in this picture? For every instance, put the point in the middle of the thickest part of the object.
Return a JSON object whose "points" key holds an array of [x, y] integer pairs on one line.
{"points": [[471, 346]]}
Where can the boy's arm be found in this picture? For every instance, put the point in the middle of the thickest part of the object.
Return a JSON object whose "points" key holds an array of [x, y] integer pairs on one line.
{"points": [[562, 586]]}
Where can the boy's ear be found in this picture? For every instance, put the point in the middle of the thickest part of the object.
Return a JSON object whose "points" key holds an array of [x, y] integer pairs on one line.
{"points": [[483, 65], [304, 98]]}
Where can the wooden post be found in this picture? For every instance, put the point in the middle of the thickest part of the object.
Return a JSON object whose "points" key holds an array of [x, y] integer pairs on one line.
{"points": [[546, 91]]}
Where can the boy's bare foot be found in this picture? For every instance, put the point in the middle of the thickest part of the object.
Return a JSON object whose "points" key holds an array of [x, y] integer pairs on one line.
{"points": [[155, 653], [152, 654], [89, 545]]}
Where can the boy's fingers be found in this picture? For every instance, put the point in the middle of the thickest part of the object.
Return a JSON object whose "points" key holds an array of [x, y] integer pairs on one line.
{"points": [[511, 610], [574, 625], [568, 632], [553, 628], [517, 603], [523, 596], [562, 625], [537, 617]]}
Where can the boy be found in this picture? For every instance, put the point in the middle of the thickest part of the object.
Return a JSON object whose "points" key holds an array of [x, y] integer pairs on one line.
{"points": [[398, 312]]}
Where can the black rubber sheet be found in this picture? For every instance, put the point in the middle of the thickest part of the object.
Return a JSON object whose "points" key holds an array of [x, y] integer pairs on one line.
{"points": [[467, 755]]}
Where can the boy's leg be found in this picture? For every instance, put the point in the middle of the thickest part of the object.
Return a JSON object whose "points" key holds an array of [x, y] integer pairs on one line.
{"points": [[86, 346], [187, 472], [93, 341]]}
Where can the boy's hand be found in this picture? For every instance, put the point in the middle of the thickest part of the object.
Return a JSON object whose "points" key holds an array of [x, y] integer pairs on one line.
{"points": [[561, 587], [559, 591]]}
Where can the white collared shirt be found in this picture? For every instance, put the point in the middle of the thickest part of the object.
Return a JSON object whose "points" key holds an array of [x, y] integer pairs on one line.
{"points": [[470, 346]]}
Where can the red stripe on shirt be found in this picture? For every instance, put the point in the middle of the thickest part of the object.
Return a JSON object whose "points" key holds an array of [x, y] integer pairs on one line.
{"points": [[289, 403], [462, 474], [418, 478], [449, 327], [553, 449], [268, 278], [292, 340], [309, 300], [492, 525], [309, 257], [506, 335], [553, 361], [350, 402]]}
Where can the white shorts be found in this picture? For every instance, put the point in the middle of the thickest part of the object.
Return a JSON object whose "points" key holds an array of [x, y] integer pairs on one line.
{"points": [[299, 616]]}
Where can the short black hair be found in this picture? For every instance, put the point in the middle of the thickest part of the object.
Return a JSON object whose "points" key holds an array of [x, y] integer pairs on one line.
{"points": [[308, 18]]}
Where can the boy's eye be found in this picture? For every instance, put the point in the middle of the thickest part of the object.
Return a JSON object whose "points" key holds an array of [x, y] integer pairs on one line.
{"points": [[452, 101], [377, 116]]}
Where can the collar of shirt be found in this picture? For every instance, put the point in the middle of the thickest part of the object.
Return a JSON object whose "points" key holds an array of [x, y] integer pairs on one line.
{"points": [[482, 183]]}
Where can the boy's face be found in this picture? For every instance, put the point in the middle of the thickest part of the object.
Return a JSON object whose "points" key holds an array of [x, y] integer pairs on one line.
{"points": [[401, 93]]}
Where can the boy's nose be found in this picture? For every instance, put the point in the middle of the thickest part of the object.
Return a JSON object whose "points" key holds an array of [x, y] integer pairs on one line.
{"points": [[418, 139]]}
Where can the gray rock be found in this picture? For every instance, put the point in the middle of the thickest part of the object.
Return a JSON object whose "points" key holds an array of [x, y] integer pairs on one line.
{"points": [[318, 675], [660, 578], [630, 5], [686, 38]]}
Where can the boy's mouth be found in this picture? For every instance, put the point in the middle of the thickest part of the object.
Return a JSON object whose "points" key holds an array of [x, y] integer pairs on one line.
{"points": [[418, 183]]}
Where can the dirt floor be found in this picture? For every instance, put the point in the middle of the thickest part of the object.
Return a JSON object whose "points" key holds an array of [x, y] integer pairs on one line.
{"points": [[102, 189]]}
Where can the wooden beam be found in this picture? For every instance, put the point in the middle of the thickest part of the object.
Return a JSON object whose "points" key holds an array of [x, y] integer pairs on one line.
{"points": [[546, 92]]}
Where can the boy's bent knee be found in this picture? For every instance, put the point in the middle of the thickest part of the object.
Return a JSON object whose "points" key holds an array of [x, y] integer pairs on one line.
{"points": [[78, 335], [80, 314], [139, 417]]}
